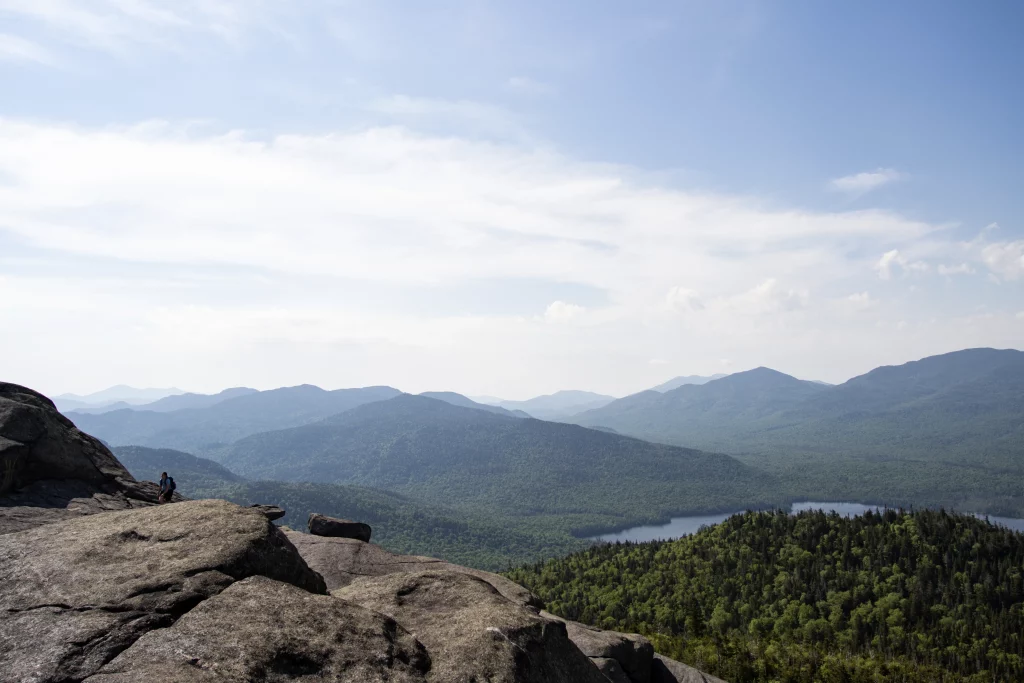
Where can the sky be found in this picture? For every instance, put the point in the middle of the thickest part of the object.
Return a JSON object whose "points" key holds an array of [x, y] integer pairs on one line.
{"points": [[503, 198]]}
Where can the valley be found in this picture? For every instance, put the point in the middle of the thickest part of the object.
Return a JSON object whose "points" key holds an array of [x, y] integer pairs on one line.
{"points": [[578, 508], [524, 489]]}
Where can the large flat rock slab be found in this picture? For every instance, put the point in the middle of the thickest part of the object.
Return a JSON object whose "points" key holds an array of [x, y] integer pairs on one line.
{"points": [[264, 630], [342, 560], [471, 631], [76, 593]]}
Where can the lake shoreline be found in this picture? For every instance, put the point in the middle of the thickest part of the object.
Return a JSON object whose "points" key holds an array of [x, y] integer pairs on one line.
{"points": [[678, 527]]}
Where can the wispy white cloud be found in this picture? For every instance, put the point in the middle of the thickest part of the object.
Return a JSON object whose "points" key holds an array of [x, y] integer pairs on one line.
{"points": [[860, 301], [892, 259], [1005, 259], [468, 115], [683, 299], [117, 25], [859, 184], [16, 49], [315, 227], [560, 311], [770, 297]]}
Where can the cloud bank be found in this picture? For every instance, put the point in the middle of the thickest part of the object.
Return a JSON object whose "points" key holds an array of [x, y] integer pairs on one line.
{"points": [[326, 258]]}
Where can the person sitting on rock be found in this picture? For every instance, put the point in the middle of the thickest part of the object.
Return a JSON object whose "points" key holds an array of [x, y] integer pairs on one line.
{"points": [[167, 487]]}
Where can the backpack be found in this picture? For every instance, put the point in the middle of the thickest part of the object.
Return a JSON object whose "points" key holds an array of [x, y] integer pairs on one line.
{"points": [[171, 486]]}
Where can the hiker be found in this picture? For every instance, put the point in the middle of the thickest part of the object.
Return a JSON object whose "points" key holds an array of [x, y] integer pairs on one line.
{"points": [[167, 487]]}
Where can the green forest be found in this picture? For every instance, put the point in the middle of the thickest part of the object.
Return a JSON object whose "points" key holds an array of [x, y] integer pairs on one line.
{"points": [[768, 596]]}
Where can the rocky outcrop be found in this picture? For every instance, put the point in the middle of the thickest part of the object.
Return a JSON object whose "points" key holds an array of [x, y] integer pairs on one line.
{"points": [[667, 670], [471, 631], [611, 670], [77, 593], [264, 630], [100, 584], [321, 525], [620, 657], [342, 560], [271, 512], [633, 653], [50, 471]]}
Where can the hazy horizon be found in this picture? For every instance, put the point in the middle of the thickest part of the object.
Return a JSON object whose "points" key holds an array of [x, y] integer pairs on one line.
{"points": [[503, 198], [468, 394]]}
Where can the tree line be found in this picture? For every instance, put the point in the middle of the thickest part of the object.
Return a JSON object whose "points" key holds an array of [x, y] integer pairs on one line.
{"points": [[769, 596]]}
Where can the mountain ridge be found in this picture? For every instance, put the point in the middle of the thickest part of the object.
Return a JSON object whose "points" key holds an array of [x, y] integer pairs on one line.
{"points": [[461, 456], [200, 430]]}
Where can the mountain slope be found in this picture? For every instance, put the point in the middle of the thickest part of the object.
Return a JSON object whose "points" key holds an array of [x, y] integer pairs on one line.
{"points": [[400, 523], [936, 408], [191, 473], [467, 458], [459, 400], [121, 392], [704, 414], [682, 380], [559, 405], [190, 400], [945, 430], [201, 430]]}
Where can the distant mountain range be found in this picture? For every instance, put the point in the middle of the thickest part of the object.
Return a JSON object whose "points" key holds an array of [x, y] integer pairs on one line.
{"points": [[559, 405], [121, 395], [682, 380], [945, 430], [703, 413], [202, 429], [884, 431], [941, 402], [460, 400], [190, 400]]}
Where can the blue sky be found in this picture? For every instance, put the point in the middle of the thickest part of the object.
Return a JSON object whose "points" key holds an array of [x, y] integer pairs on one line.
{"points": [[503, 198]]}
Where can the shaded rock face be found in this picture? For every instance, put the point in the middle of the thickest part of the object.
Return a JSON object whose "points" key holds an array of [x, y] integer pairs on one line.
{"points": [[342, 560], [276, 632], [611, 670], [40, 443], [321, 525], [77, 593], [633, 653], [50, 471], [471, 631], [271, 512]]}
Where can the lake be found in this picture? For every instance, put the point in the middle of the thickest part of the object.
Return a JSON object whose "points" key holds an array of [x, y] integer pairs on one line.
{"points": [[684, 526]]}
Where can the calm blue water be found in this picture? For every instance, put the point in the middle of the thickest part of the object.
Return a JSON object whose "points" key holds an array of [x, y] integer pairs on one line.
{"points": [[684, 526], [679, 526]]}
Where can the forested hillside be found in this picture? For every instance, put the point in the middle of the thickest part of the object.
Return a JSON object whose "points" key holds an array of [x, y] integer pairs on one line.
{"points": [[191, 473], [567, 477], [399, 523], [768, 596]]}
